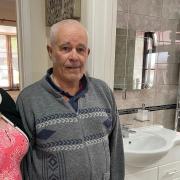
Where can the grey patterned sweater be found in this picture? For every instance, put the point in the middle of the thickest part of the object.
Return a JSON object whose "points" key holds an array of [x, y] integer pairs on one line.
{"points": [[69, 145]]}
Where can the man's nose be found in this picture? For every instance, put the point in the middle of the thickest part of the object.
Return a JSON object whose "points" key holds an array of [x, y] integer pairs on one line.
{"points": [[74, 54]]}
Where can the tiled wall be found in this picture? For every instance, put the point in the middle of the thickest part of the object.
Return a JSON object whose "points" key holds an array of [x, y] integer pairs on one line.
{"points": [[163, 17]]}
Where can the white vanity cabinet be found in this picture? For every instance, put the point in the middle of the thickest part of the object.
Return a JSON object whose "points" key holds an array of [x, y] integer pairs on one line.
{"points": [[170, 171], [148, 174]]}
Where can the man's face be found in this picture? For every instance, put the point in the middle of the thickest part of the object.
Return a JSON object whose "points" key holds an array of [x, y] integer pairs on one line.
{"points": [[69, 53]]}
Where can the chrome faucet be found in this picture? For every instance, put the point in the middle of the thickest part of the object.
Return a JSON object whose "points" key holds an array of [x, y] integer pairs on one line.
{"points": [[126, 130]]}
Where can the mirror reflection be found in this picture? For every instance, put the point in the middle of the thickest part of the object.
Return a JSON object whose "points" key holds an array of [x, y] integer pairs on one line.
{"points": [[135, 60]]}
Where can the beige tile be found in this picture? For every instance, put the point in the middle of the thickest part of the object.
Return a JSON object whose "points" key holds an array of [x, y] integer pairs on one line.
{"points": [[131, 122], [145, 15], [144, 23], [146, 7], [165, 118], [122, 20], [171, 9], [167, 54], [177, 52], [167, 74], [169, 27], [122, 5]]}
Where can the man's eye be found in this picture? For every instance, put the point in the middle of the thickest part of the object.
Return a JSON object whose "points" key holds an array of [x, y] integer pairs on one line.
{"points": [[81, 50], [65, 48]]}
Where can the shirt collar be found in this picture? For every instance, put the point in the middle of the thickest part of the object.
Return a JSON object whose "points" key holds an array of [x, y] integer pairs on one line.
{"points": [[82, 89]]}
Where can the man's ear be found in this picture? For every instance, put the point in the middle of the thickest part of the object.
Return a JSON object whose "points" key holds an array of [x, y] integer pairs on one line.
{"points": [[49, 49], [88, 51]]}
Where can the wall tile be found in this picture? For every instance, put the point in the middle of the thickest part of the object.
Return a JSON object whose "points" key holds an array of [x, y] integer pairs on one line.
{"points": [[122, 5], [165, 118], [177, 52], [165, 94], [120, 57], [167, 74], [144, 23], [131, 122], [121, 32], [168, 30], [163, 17], [146, 7], [167, 54], [122, 20], [135, 98], [171, 9], [178, 33], [130, 52]]}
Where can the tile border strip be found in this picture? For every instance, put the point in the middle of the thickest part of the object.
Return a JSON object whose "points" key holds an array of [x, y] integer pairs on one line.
{"points": [[150, 108]]}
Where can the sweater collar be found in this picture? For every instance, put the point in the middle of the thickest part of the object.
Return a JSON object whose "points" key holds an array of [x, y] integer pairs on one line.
{"points": [[82, 89]]}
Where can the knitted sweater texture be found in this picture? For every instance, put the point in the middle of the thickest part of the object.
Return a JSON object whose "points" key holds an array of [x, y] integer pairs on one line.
{"points": [[70, 145]]}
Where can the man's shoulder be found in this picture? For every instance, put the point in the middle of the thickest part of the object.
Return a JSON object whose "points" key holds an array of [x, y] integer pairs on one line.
{"points": [[98, 82], [100, 89], [31, 89]]}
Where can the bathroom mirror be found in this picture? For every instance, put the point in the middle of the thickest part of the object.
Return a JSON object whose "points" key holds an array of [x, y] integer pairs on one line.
{"points": [[135, 59]]}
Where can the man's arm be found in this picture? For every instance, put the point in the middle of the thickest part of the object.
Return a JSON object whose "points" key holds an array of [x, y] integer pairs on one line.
{"points": [[117, 167], [28, 124], [117, 153]]}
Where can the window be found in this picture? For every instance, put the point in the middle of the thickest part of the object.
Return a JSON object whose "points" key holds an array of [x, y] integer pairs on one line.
{"points": [[9, 71], [149, 59]]}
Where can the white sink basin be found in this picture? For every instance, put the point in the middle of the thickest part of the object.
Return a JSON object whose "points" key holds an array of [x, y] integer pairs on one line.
{"points": [[148, 145], [148, 142]]}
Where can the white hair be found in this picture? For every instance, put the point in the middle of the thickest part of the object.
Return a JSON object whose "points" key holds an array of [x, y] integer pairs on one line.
{"points": [[55, 28]]}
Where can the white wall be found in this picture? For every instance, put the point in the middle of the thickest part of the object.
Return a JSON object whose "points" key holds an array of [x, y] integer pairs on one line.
{"points": [[99, 17], [32, 38]]}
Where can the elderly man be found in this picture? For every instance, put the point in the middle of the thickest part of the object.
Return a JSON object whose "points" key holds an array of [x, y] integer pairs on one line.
{"points": [[71, 119]]}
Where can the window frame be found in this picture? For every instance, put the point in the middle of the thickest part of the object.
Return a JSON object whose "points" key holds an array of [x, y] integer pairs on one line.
{"points": [[8, 37]]}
